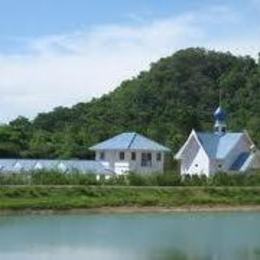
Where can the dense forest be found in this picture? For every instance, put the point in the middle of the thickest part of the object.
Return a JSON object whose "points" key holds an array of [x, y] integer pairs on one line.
{"points": [[177, 94]]}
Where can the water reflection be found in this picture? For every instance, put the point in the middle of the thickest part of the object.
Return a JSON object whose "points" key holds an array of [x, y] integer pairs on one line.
{"points": [[241, 254], [135, 236]]}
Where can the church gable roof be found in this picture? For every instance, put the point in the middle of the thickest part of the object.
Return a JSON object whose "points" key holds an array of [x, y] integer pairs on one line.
{"points": [[130, 141], [218, 146]]}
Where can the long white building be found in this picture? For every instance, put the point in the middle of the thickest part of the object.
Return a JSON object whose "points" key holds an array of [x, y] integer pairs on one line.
{"points": [[118, 155], [15, 166]]}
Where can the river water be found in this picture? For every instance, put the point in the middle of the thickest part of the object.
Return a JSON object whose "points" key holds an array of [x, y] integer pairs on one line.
{"points": [[131, 236]]}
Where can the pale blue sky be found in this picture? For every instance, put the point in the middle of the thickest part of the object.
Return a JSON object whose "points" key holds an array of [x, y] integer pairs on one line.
{"points": [[59, 52], [23, 19]]}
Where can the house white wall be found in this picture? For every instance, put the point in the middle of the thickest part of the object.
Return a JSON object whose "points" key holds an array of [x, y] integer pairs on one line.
{"points": [[122, 166], [110, 157]]}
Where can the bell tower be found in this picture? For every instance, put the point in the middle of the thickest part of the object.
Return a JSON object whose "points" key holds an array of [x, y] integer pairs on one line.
{"points": [[220, 126]]}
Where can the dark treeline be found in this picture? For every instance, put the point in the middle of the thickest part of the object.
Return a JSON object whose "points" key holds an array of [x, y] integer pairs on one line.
{"points": [[177, 94]]}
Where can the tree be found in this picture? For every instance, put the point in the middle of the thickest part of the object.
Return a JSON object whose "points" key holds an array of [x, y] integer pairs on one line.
{"points": [[177, 94]]}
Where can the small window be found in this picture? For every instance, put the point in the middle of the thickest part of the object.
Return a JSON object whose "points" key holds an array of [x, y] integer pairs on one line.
{"points": [[158, 157], [196, 165], [102, 156], [146, 160], [121, 156], [220, 166], [133, 156]]}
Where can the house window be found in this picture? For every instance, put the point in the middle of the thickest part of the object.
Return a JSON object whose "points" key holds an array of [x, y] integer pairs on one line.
{"points": [[121, 156], [220, 166], [146, 160], [133, 156], [196, 165], [102, 156], [158, 157]]}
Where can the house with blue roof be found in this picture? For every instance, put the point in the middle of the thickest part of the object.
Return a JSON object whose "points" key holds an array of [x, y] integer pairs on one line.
{"points": [[131, 152], [219, 151], [118, 155]]}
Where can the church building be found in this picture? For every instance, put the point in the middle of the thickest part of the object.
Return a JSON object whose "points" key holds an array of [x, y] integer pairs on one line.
{"points": [[207, 153]]}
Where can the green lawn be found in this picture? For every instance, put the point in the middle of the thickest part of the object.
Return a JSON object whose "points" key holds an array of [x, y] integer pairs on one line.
{"points": [[72, 197]]}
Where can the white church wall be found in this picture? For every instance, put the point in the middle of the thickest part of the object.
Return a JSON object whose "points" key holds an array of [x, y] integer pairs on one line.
{"points": [[194, 160], [200, 164], [189, 153], [217, 166], [256, 162]]}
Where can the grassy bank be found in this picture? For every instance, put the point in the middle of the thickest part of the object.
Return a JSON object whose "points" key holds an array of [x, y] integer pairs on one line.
{"points": [[75, 197]]}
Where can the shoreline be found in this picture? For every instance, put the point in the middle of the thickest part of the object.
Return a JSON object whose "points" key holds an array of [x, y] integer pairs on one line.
{"points": [[106, 200], [134, 210]]}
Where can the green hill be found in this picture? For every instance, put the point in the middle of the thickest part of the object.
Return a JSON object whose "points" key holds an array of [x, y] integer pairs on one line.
{"points": [[177, 94]]}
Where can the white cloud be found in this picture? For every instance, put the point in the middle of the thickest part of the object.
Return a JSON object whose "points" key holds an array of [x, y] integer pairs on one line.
{"points": [[65, 69]]}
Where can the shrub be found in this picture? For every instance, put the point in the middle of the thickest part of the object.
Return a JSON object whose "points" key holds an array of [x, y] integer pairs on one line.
{"points": [[131, 179], [169, 179], [137, 179], [14, 179]]}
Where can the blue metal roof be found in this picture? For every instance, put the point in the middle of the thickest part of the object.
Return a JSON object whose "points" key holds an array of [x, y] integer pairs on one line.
{"points": [[218, 146], [239, 162], [130, 141], [248, 162]]}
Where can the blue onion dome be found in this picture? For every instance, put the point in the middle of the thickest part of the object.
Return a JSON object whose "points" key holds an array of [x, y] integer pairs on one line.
{"points": [[220, 114]]}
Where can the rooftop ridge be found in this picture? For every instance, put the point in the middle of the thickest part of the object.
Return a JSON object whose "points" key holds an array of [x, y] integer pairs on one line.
{"points": [[209, 132], [128, 141], [218, 146], [131, 142]]}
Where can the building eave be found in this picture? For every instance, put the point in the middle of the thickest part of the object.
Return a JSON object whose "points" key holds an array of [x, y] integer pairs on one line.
{"points": [[253, 146], [193, 133]]}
